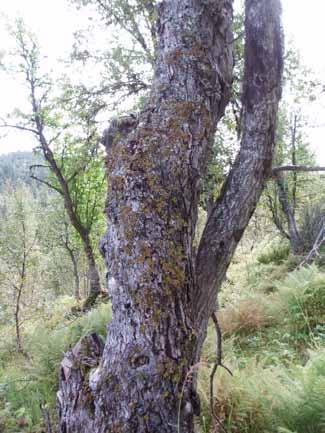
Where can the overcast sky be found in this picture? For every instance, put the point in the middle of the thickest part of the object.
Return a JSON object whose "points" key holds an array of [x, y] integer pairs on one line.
{"points": [[54, 21]]}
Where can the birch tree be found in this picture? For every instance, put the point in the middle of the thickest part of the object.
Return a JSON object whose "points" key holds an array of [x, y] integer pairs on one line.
{"points": [[18, 255]]}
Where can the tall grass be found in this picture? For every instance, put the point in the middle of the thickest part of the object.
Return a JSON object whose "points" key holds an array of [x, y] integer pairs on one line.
{"points": [[303, 296], [25, 383], [271, 391], [274, 388]]}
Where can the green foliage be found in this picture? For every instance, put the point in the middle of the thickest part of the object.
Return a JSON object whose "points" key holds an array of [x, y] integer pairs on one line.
{"points": [[270, 319], [312, 221], [276, 254], [261, 399], [303, 295], [26, 383], [279, 382]]}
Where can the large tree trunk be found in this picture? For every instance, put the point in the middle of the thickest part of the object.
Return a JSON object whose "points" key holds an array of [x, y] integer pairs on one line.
{"points": [[142, 382]]}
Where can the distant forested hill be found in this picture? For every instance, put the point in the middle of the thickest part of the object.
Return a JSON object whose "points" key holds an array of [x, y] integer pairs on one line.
{"points": [[14, 168]]}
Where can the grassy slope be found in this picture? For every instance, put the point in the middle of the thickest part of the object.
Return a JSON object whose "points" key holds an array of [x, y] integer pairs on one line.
{"points": [[273, 321]]}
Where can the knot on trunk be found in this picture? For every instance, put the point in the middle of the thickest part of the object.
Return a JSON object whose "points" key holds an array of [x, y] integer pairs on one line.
{"points": [[85, 355], [119, 128]]}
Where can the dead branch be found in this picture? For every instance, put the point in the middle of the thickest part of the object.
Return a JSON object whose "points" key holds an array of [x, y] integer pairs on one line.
{"points": [[296, 168], [32, 176], [20, 127], [317, 244], [218, 361]]}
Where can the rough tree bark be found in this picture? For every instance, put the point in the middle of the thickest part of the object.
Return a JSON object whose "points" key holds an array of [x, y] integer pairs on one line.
{"points": [[162, 293]]}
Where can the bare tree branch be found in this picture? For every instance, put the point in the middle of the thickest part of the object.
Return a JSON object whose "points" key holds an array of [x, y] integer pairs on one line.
{"points": [[317, 244], [218, 361], [56, 136], [38, 166], [47, 184], [295, 168], [20, 127]]}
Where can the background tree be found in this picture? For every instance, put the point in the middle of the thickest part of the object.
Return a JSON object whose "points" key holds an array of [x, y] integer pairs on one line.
{"points": [[70, 156], [19, 255], [14, 169], [289, 194]]}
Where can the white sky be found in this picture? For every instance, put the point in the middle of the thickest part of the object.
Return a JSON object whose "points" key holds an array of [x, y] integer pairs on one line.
{"points": [[54, 21]]}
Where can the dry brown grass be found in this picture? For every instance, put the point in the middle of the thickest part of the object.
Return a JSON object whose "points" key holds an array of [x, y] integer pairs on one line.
{"points": [[244, 317]]}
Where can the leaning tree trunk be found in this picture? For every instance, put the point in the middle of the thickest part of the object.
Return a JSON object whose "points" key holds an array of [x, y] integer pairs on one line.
{"points": [[74, 218], [141, 381]]}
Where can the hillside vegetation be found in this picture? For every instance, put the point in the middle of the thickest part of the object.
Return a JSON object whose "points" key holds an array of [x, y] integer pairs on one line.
{"points": [[134, 202], [273, 321]]}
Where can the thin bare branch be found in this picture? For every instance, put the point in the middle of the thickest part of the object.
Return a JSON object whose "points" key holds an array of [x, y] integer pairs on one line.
{"points": [[56, 136], [38, 166], [317, 244], [20, 127], [275, 216], [295, 168], [47, 184], [218, 361]]}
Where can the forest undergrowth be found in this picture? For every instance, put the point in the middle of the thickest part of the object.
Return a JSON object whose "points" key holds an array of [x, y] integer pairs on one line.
{"points": [[272, 316]]}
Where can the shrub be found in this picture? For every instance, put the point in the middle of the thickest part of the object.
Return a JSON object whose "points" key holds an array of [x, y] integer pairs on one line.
{"points": [[245, 316], [276, 254], [259, 399], [301, 407], [303, 295], [26, 383], [311, 223]]}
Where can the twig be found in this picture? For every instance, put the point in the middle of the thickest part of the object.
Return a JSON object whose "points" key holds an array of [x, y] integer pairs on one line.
{"points": [[32, 176], [317, 244], [218, 361], [20, 127]]}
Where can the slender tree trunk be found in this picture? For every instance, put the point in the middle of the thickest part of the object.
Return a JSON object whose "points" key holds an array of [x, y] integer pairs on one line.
{"points": [[19, 291], [142, 381], [64, 190], [294, 236], [294, 162], [93, 274], [19, 346], [74, 262]]}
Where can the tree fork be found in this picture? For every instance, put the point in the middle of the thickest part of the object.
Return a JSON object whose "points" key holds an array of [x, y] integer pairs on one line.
{"points": [[142, 381]]}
